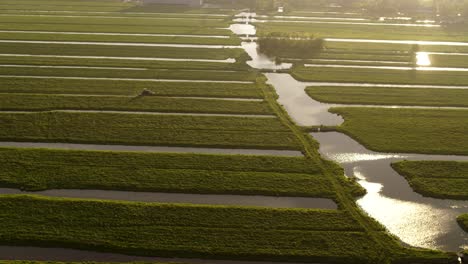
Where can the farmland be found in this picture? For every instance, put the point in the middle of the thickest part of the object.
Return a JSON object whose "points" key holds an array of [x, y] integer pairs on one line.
{"points": [[407, 130], [120, 74], [390, 96], [441, 179]]}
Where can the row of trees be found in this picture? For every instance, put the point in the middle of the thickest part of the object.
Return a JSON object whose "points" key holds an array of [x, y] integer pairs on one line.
{"points": [[289, 45]]}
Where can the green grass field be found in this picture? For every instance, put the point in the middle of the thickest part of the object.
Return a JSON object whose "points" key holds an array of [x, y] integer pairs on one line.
{"points": [[142, 103], [463, 222], [440, 179], [120, 51], [33, 170], [122, 38], [185, 230], [324, 74], [137, 129], [390, 96], [323, 30], [128, 88], [407, 130], [125, 62]]}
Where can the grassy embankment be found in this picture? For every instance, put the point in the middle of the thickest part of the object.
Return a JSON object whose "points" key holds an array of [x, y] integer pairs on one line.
{"points": [[185, 230], [323, 30], [239, 65], [33, 170], [132, 74], [463, 222], [379, 76], [87, 5], [138, 103], [440, 179], [120, 51], [137, 129], [128, 88], [390, 96], [407, 130]]}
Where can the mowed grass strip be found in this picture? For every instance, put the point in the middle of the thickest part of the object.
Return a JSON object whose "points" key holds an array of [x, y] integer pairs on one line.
{"points": [[355, 75], [123, 38], [350, 30], [463, 222], [390, 96], [123, 62], [138, 103], [440, 179], [155, 21], [120, 51], [128, 88], [138, 129], [242, 76], [185, 231], [117, 29], [407, 130], [37, 169]]}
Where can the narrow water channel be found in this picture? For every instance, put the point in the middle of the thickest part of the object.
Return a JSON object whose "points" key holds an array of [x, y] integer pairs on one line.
{"points": [[416, 220]]}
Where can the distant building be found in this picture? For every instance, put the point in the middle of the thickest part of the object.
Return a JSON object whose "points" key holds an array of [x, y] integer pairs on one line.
{"points": [[174, 2]]}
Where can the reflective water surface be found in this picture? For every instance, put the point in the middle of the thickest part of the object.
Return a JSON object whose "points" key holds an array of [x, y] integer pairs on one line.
{"points": [[416, 220]]}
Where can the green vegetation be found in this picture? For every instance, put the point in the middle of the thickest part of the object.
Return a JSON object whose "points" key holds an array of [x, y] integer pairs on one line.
{"points": [[125, 103], [122, 38], [185, 230], [463, 221], [120, 51], [448, 61], [132, 73], [379, 76], [440, 179], [125, 63], [129, 88], [292, 45], [141, 129], [350, 30], [186, 173], [390, 96], [407, 130], [115, 20]]}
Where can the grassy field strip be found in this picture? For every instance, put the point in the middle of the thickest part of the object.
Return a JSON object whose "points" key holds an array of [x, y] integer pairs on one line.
{"points": [[168, 230], [133, 60], [121, 50], [107, 20], [120, 13], [116, 15], [362, 75], [119, 29], [463, 222], [128, 88], [406, 42], [439, 179], [70, 67], [390, 96], [379, 24], [118, 37], [150, 149], [115, 34], [122, 44], [152, 130], [35, 102], [352, 61], [151, 74], [407, 130], [240, 200], [153, 172], [123, 79], [287, 17], [418, 68], [135, 112]]}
